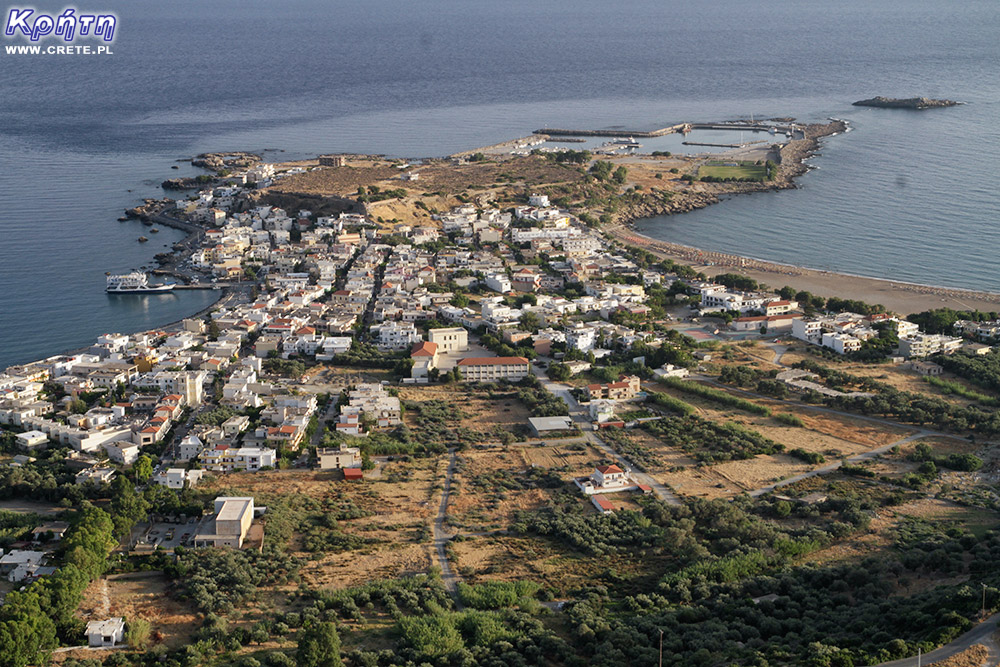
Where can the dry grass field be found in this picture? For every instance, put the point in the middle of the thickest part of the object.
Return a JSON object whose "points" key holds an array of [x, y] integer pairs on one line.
{"points": [[509, 558], [173, 622], [397, 507], [479, 411], [492, 484]]}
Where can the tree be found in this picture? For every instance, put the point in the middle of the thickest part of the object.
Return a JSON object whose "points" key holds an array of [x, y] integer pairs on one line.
{"points": [[127, 507], [77, 406], [621, 173], [530, 321], [319, 645], [460, 301], [137, 632], [560, 372], [143, 469]]}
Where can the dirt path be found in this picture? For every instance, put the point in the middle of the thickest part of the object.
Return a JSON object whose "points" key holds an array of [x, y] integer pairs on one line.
{"points": [[441, 538], [833, 467]]}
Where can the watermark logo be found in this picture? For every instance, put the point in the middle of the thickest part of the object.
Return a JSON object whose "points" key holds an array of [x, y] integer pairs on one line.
{"points": [[68, 26]]}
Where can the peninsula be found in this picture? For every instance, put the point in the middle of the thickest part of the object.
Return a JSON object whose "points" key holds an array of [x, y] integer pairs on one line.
{"points": [[453, 411]]}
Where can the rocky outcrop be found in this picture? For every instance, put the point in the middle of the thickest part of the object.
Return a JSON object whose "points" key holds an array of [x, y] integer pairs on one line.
{"points": [[183, 183], [147, 209], [226, 161], [917, 103]]}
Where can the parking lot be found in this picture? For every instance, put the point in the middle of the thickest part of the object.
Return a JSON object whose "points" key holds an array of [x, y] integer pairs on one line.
{"points": [[166, 535]]}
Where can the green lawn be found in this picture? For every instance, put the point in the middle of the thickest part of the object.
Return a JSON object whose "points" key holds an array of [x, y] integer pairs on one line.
{"points": [[742, 171]]}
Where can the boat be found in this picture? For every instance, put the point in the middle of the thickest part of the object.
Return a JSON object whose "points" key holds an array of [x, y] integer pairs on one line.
{"points": [[134, 283], [154, 230], [142, 239]]}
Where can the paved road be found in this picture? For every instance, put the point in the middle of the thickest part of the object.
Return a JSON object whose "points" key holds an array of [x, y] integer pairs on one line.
{"points": [[441, 538], [581, 416], [981, 634]]}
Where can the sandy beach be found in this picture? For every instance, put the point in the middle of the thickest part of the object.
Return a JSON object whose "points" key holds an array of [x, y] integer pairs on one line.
{"points": [[900, 297]]}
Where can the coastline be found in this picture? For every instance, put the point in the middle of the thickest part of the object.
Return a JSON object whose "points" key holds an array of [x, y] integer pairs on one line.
{"points": [[899, 296]]}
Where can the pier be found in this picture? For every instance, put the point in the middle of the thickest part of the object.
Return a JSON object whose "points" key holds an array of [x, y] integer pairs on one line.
{"points": [[743, 145]]}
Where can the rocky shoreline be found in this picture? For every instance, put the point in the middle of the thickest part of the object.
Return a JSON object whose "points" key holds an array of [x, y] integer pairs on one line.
{"points": [[701, 195]]}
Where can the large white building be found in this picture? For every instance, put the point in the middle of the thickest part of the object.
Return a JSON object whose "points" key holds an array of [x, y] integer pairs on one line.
{"points": [[229, 526], [489, 369], [395, 335], [922, 345], [452, 339]]}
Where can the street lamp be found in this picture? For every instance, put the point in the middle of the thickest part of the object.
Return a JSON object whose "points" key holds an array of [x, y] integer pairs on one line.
{"points": [[661, 647], [984, 599]]}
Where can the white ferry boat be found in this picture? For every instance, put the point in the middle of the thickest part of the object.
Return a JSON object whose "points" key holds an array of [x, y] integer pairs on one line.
{"points": [[134, 283]]}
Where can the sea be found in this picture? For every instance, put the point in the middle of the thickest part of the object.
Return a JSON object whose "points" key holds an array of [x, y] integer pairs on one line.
{"points": [[908, 195]]}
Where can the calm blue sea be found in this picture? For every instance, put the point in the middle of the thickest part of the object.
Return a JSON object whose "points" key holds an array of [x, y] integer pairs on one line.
{"points": [[908, 195]]}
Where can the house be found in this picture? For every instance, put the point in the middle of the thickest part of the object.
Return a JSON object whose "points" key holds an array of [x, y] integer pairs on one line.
{"points": [[625, 389], [229, 526], [31, 440], [353, 474], [606, 479], [331, 458], [176, 478], [425, 356], [122, 452], [96, 475], [540, 425], [13, 564], [488, 369], [602, 504], [108, 632], [47, 532], [190, 447]]}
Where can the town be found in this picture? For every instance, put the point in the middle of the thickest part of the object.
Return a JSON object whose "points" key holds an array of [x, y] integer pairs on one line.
{"points": [[453, 399]]}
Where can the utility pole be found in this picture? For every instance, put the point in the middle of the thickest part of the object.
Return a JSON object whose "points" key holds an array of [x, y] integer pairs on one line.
{"points": [[984, 600], [661, 647], [919, 651]]}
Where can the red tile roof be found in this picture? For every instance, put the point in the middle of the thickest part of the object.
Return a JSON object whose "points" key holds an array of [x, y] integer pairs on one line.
{"points": [[605, 470], [604, 503], [424, 349], [353, 473]]}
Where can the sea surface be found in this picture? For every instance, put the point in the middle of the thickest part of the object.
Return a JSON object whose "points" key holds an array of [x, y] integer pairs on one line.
{"points": [[911, 195]]}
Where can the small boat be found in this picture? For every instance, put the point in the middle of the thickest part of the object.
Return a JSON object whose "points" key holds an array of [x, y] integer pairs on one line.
{"points": [[148, 223], [123, 218], [154, 230], [142, 239]]}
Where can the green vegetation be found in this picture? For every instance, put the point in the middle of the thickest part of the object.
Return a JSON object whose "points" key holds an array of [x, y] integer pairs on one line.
{"points": [[716, 395], [788, 419], [220, 580], [671, 403], [710, 442], [959, 389], [964, 462], [717, 172], [942, 320], [808, 457], [983, 370]]}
